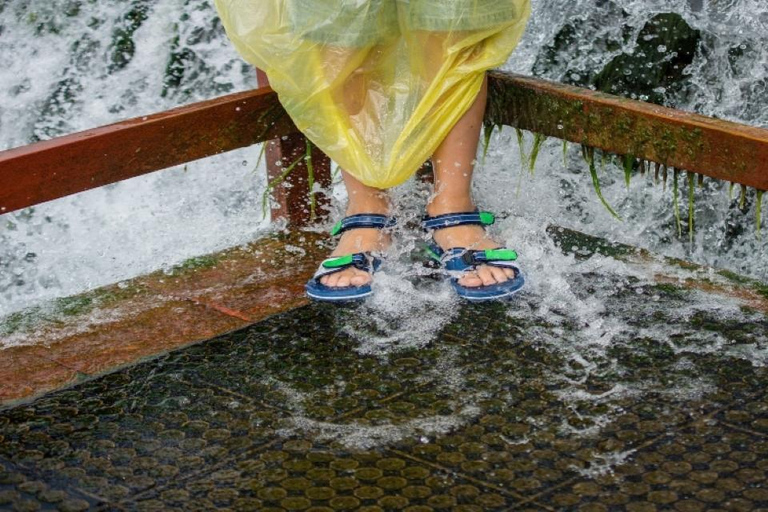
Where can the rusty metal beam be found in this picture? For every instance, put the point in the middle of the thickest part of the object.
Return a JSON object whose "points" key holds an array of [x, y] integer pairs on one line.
{"points": [[691, 142], [56, 168]]}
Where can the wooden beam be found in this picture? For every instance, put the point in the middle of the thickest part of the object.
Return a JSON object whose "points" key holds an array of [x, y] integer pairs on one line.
{"points": [[66, 165], [294, 199], [719, 149], [48, 170]]}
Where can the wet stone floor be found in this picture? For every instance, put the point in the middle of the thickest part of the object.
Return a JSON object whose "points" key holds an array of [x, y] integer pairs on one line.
{"points": [[288, 415]]}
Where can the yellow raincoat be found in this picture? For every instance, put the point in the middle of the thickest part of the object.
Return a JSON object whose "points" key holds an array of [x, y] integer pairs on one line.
{"points": [[375, 84]]}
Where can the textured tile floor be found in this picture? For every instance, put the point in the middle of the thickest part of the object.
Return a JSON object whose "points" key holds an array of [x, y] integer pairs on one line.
{"points": [[288, 415]]}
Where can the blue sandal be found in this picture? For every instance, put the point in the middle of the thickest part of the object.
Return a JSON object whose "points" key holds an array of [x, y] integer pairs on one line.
{"points": [[458, 260], [364, 261]]}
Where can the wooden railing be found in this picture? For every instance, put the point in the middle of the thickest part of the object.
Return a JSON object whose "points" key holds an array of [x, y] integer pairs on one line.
{"points": [[67, 165]]}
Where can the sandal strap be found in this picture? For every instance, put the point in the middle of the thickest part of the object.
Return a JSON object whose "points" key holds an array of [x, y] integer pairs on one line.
{"points": [[364, 261], [460, 259], [363, 220], [449, 220]]}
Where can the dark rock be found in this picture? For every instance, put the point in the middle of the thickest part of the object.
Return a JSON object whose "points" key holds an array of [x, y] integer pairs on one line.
{"points": [[655, 71], [123, 47], [567, 60]]}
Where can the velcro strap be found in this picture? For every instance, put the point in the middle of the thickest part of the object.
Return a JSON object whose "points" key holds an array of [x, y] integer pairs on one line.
{"points": [[458, 259], [491, 255], [362, 261], [450, 220], [363, 220]]}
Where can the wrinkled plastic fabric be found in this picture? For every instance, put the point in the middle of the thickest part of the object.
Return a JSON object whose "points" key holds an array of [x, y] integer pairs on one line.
{"points": [[376, 84]]}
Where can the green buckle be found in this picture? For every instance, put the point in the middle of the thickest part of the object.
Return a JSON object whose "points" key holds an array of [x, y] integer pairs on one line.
{"points": [[500, 254], [336, 229], [339, 262], [487, 218]]}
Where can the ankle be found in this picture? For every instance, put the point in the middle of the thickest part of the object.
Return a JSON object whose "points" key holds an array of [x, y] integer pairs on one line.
{"points": [[376, 205], [441, 205]]}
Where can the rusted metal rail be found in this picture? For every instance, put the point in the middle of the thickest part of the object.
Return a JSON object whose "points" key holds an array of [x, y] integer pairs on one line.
{"points": [[48, 170]]}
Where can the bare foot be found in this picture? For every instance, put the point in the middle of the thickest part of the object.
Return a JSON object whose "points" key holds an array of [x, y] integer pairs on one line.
{"points": [[354, 241], [473, 238]]}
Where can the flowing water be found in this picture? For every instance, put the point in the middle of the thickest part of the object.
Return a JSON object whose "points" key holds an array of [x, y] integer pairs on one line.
{"points": [[68, 65]]}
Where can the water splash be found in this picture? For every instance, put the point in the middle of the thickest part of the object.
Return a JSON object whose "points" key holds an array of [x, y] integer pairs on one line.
{"points": [[116, 60]]}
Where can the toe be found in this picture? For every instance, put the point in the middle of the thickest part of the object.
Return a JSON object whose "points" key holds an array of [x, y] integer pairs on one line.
{"points": [[344, 279], [485, 274], [331, 280], [471, 280], [360, 278], [499, 274]]}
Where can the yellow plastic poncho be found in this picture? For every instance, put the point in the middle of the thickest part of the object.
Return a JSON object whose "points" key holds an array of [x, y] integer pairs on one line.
{"points": [[375, 84]]}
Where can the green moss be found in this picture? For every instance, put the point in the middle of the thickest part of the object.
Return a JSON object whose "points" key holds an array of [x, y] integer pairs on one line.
{"points": [[759, 287], [18, 321], [669, 290], [196, 263], [687, 265], [72, 306], [585, 246]]}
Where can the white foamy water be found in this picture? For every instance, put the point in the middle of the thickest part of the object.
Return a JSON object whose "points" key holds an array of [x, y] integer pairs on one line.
{"points": [[79, 79], [73, 83]]}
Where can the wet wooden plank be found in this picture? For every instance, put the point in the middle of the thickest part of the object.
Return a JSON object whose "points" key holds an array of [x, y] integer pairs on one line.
{"points": [[101, 330], [724, 284], [713, 147], [25, 371], [66, 165]]}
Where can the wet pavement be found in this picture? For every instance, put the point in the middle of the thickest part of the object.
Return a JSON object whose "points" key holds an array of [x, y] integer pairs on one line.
{"points": [[287, 414]]}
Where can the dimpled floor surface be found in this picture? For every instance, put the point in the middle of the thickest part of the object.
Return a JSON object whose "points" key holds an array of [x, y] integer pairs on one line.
{"points": [[287, 414]]}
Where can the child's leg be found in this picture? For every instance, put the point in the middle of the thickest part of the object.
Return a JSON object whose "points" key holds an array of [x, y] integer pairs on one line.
{"points": [[454, 163], [362, 199]]}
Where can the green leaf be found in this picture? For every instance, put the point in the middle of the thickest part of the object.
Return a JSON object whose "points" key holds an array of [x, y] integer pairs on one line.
{"points": [[487, 133], [675, 191], [538, 141], [691, 190], [589, 155], [629, 161], [759, 213]]}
